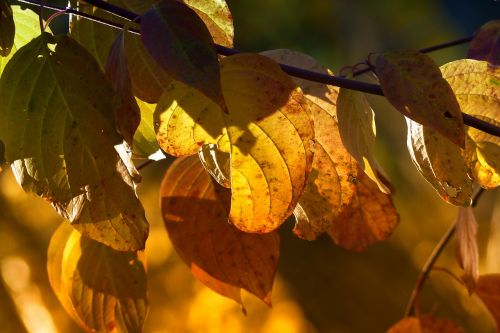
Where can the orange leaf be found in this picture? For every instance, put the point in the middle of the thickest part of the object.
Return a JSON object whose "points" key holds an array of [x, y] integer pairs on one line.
{"points": [[369, 218], [195, 210], [488, 290], [425, 324], [412, 82], [486, 43]]}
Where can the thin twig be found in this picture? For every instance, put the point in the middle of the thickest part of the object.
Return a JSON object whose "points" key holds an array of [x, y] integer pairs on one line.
{"points": [[144, 164], [424, 273], [369, 88]]}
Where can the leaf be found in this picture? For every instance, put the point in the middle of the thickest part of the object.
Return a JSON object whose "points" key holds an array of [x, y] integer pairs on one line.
{"points": [[486, 43], [145, 143], [27, 28], [467, 250], [217, 163], [128, 115], [148, 80], [476, 85], [488, 290], [369, 218], [7, 28], [332, 181], [413, 84], [101, 289], [269, 168], [195, 210], [425, 324], [57, 124], [181, 44], [440, 162], [357, 130]]}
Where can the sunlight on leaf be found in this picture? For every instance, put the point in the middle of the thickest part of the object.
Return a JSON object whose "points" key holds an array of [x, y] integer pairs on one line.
{"points": [[145, 143], [7, 28], [357, 130], [369, 218], [477, 87], [332, 181], [128, 115], [101, 289], [195, 210], [217, 163], [413, 84], [486, 43], [425, 324], [467, 250], [58, 128], [269, 168], [440, 162]]}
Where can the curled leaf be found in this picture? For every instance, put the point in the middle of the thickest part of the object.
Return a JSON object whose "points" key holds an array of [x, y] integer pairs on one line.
{"points": [[57, 124], [477, 87], [195, 210], [413, 84], [181, 44], [486, 43], [368, 219], [100, 288], [332, 181], [440, 162], [7, 28], [467, 250], [269, 168], [216, 163]]}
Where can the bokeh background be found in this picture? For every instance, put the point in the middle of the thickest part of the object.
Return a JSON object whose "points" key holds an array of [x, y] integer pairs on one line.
{"points": [[319, 287]]}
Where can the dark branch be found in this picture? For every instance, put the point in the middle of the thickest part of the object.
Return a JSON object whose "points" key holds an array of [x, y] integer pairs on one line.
{"points": [[369, 88]]}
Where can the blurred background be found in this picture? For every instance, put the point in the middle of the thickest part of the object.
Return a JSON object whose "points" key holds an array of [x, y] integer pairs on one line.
{"points": [[319, 287]]}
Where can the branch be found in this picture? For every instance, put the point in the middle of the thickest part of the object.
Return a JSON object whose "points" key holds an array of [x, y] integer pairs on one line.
{"points": [[369, 88], [426, 269]]}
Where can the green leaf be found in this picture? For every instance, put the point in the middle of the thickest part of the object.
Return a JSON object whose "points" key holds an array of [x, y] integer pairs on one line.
{"points": [[181, 44], [440, 162], [27, 28], [57, 124], [101, 289], [7, 28], [357, 130], [145, 143], [476, 85], [486, 43], [412, 82]]}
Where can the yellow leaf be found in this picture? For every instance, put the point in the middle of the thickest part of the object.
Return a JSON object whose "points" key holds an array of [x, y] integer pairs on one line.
{"points": [[332, 181], [269, 167], [369, 218], [413, 84], [425, 324], [467, 251], [145, 143], [477, 87], [216, 163], [486, 43], [195, 210], [440, 162], [101, 289]]}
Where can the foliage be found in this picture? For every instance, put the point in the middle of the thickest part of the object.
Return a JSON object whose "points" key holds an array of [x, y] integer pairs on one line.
{"points": [[254, 146]]}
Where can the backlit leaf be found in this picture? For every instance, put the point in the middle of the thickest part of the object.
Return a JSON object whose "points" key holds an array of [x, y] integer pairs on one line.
{"points": [[332, 181], [101, 289], [181, 44], [357, 130], [486, 43], [477, 87], [217, 163], [7, 28], [440, 162], [467, 250], [128, 116], [369, 218], [413, 84], [195, 210], [425, 324], [488, 290], [27, 28], [57, 124], [269, 167], [145, 143]]}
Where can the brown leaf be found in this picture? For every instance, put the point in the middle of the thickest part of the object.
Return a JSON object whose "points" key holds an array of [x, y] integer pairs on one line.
{"points": [[486, 43], [425, 324], [412, 82], [332, 181], [467, 251], [488, 290], [181, 44], [195, 210], [128, 115], [369, 218]]}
